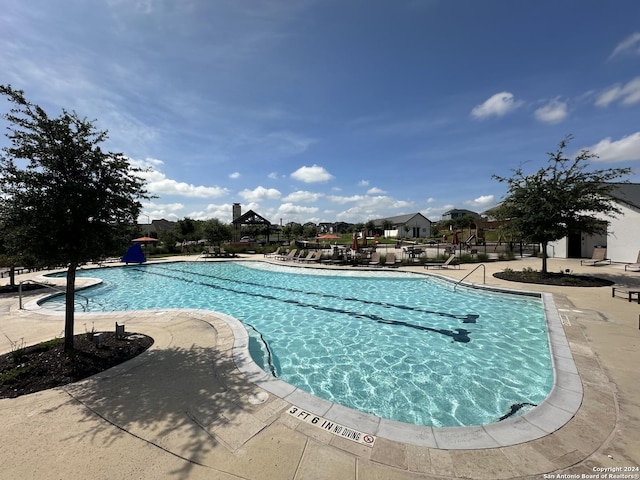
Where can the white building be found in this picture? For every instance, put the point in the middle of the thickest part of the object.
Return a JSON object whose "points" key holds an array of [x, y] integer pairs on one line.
{"points": [[623, 233], [412, 225]]}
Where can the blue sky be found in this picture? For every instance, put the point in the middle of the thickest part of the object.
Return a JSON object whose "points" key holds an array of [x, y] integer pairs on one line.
{"points": [[331, 110]]}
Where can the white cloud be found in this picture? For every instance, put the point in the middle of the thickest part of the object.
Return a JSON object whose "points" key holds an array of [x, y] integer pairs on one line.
{"points": [[481, 201], [363, 183], [435, 213], [375, 191], [625, 149], [157, 182], [311, 174], [302, 196], [626, 94], [630, 45], [156, 211], [234, 175], [147, 207], [343, 199], [260, 193], [289, 210], [223, 212], [273, 176], [370, 207], [553, 112], [496, 106]]}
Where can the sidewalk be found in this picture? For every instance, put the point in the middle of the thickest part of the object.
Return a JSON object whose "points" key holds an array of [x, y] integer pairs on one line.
{"points": [[184, 409]]}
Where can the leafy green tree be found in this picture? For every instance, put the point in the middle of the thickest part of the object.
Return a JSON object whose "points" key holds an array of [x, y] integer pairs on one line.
{"points": [[310, 230], [371, 228], [64, 201], [216, 232], [296, 230], [287, 232], [187, 229], [562, 198]]}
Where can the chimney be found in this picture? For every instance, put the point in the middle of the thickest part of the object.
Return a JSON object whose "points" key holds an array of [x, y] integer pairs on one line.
{"points": [[237, 211]]}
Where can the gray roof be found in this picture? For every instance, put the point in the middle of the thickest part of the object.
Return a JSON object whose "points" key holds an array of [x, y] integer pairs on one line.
{"points": [[627, 193], [400, 219], [461, 210]]}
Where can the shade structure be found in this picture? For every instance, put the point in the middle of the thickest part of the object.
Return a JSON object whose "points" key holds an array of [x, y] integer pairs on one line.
{"points": [[328, 236]]}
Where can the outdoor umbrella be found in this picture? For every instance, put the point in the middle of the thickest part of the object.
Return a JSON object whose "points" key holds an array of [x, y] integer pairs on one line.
{"points": [[455, 241], [354, 245], [144, 240]]}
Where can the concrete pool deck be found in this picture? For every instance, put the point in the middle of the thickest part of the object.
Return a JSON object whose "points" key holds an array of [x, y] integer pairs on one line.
{"points": [[185, 409]]}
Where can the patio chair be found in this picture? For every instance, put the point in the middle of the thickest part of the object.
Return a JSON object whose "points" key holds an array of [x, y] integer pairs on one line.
{"points": [[446, 264], [274, 253], [633, 267], [599, 256], [390, 260], [302, 257], [288, 256], [313, 256], [375, 259]]}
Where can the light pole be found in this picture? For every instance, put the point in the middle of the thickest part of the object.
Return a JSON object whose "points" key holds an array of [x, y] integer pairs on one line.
{"points": [[148, 223]]}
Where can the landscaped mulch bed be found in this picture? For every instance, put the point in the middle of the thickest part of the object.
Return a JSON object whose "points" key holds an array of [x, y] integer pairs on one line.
{"points": [[558, 279], [30, 369]]}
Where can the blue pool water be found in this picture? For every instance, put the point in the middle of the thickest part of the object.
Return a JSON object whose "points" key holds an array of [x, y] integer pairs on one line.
{"points": [[397, 345]]}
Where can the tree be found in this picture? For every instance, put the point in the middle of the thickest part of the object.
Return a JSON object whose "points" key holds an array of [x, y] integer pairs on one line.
{"points": [[559, 199], [64, 201], [215, 231]]}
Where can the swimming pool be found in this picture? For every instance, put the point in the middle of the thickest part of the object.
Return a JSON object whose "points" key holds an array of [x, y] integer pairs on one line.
{"points": [[397, 345]]}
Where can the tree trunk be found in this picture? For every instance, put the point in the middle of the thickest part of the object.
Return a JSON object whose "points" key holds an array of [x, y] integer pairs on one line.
{"points": [[544, 257], [70, 303]]}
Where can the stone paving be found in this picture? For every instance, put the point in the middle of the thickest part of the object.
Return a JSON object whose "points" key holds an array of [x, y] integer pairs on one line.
{"points": [[193, 407]]}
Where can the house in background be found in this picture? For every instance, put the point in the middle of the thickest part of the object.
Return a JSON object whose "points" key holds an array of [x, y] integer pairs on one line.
{"points": [[412, 225], [623, 233], [459, 213]]}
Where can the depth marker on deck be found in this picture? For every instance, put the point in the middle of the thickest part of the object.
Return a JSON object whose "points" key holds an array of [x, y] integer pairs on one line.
{"points": [[332, 427]]}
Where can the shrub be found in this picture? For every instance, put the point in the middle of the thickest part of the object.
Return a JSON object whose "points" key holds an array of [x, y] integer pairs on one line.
{"points": [[483, 257]]}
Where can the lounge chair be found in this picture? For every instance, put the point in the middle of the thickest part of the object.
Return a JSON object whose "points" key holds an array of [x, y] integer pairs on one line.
{"points": [[336, 258], [288, 256], [302, 257], [599, 256], [210, 253], [224, 253], [633, 267], [375, 259], [390, 260], [311, 257], [446, 264], [273, 254]]}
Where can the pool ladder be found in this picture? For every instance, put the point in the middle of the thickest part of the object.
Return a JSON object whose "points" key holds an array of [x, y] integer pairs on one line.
{"points": [[484, 275]]}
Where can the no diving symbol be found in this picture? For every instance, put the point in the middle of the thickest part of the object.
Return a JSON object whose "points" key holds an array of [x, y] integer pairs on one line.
{"points": [[368, 439]]}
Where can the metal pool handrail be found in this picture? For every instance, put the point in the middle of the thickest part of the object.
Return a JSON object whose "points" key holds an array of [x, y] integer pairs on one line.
{"points": [[484, 275], [55, 289]]}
